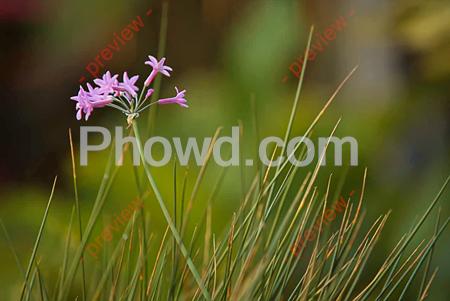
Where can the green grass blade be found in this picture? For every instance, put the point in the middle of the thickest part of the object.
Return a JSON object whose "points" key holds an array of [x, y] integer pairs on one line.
{"points": [[151, 120], [38, 240], [167, 216], [13, 250], [77, 205]]}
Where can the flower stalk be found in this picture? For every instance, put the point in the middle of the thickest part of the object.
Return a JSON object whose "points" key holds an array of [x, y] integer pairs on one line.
{"points": [[166, 214]]}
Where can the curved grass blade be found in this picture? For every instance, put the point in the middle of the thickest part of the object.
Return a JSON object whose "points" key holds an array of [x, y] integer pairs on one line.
{"points": [[77, 205]]}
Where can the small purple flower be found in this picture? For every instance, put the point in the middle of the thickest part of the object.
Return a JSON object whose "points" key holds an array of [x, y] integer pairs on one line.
{"points": [[87, 101], [107, 82], [83, 105], [128, 85], [178, 99], [149, 93], [158, 67], [97, 98]]}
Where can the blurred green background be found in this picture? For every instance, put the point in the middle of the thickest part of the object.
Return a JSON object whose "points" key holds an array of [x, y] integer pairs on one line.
{"points": [[226, 53]]}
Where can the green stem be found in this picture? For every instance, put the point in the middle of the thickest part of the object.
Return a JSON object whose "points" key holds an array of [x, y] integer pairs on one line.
{"points": [[166, 214], [138, 100]]}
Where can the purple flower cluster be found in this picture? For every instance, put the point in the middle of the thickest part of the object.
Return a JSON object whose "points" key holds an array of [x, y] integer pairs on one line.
{"points": [[87, 101], [123, 95]]}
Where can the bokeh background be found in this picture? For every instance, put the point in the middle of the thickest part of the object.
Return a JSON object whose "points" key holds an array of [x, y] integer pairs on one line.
{"points": [[233, 58]]}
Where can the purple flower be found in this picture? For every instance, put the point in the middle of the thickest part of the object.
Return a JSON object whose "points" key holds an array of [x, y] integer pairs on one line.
{"points": [[128, 85], [149, 93], [82, 105], [87, 101], [107, 82], [158, 67], [97, 98], [178, 99]]}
